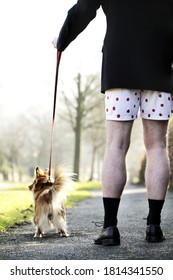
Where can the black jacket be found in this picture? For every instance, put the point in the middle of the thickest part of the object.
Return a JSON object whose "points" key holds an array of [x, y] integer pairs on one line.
{"points": [[138, 45]]}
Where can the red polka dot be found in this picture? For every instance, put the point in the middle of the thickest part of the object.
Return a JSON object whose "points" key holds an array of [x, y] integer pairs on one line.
{"points": [[127, 99], [160, 115], [118, 116], [153, 110], [107, 110], [113, 108], [162, 105], [160, 95], [117, 99], [146, 100]]}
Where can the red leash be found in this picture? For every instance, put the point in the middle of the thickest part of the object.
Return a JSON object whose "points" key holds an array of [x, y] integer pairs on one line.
{"points": [[54, 108]]}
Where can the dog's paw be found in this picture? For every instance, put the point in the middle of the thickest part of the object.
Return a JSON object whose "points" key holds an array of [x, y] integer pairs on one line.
{"points": [[64, 233], [38, 235]]}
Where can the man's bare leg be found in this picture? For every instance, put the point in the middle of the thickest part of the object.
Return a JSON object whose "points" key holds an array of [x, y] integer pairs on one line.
{"points": [[157, 167], [156, 175], [114, 178], [114, 166]]}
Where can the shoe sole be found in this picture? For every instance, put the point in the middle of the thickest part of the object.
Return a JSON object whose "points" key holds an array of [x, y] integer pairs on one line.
{"points": [[152, 239], [108, 242]]}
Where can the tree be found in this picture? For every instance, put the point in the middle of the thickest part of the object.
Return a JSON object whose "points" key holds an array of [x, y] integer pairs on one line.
{"points": [[95, 136], [80, 112], [25, 144], [25, 139], [4, 167], [95, 148], [12, 145]]}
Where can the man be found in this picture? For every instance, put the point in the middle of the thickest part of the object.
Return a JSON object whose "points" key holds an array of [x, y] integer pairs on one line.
{"points": [[136, 74]]}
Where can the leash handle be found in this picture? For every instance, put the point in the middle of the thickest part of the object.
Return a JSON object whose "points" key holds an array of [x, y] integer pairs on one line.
{"points": [[58, 58]]}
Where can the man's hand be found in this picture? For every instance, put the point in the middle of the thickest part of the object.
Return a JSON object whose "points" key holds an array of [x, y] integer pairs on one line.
{"points": [[54, 42]]}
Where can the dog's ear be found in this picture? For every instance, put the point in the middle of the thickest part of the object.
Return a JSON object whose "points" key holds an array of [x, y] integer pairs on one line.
{"points": [[37, 171], [46, 172], [30, 187]]}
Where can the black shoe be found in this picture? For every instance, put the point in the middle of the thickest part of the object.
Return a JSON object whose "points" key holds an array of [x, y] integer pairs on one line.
{"points": [[109, 236], [154, 234]]}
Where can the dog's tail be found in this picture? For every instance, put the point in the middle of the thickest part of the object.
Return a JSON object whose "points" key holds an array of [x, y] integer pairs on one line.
{"points": [[62, 178], [59, 190]]}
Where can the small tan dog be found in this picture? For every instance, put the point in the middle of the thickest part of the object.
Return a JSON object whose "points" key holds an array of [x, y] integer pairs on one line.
{"points": [[49, 201]]}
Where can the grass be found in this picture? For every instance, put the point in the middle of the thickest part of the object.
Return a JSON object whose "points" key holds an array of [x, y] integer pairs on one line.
{"points": [[16, 203], [81, 190]]}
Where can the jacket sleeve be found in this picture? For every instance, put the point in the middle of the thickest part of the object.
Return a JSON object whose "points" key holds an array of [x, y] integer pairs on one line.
{"points": [[77, 19]]}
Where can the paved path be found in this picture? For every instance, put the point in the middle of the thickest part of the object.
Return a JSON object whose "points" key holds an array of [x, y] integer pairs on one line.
{"points": [[19, 244]]}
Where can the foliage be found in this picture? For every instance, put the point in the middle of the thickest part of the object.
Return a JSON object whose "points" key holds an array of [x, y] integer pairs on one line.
{"points": [[16, 203], [4, 166]]}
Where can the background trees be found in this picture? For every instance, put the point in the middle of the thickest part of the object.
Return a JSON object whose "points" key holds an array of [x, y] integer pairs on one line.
{"points": [[85, 115], [79, 123], [79, 136]]}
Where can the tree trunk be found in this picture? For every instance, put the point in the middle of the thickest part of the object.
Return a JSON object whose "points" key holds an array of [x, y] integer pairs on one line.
{"points": [[92, 163], [76, 168]]}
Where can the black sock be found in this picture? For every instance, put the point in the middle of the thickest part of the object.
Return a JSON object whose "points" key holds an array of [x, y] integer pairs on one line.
{"points": [[111, 209], [155, 208]]}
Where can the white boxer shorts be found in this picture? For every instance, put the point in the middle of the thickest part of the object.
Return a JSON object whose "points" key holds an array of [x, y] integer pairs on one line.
{"points": [[125, 104]]}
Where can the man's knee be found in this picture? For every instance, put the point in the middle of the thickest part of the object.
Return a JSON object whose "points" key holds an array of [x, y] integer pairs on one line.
{"points": [[155, 144], [121, 145], [155, 134], [118, 135]]}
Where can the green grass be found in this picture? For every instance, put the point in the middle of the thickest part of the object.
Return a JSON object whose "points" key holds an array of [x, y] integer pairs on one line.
{"points": [[16, 203], [81, 190], [15, 206]]}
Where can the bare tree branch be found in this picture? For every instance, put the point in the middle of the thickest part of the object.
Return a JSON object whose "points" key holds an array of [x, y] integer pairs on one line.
{"points": [[67, 119], [91, 125], [70, 109], [68, 102]]}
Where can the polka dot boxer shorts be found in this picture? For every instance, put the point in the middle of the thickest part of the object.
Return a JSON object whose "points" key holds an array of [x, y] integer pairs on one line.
{"points": [[125, 104]]}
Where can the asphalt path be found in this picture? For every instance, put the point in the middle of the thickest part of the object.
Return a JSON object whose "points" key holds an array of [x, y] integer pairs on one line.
{"points": [[18, 243]]}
